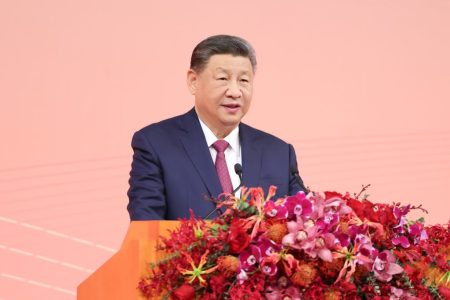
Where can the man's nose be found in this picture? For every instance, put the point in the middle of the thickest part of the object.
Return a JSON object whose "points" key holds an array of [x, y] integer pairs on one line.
{"points": [[234, 90]]}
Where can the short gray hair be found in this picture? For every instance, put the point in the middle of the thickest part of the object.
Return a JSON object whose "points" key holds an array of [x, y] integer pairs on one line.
{"points": [[221, 44]]}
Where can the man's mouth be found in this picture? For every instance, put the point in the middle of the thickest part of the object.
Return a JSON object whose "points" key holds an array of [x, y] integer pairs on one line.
{"points": [[232, 105], [232, 108]]}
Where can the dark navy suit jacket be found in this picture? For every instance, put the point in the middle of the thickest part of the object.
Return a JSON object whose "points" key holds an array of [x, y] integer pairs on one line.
{"points": [[172, 169]]}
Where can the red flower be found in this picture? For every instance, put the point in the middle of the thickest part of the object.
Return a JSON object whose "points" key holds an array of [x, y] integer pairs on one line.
{"points": [[208, 296], [349, 290], [357, 207], [246, 244], [253, 288], [315, 292], [218, 284], [238, 238], [329, 195], [444, 292], [184, 292]]}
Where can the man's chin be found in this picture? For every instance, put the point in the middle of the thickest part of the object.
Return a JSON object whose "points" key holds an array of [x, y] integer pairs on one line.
{"points": [[231, 122]]}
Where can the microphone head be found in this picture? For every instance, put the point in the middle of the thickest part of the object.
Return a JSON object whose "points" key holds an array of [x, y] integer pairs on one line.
{"points": [[238, 168]]}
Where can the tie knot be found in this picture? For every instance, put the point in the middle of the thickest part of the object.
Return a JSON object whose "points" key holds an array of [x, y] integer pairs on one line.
{"points": [[220, 145]]}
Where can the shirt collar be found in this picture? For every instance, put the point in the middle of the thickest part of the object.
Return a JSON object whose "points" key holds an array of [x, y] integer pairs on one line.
{"points": [[232, 138]]}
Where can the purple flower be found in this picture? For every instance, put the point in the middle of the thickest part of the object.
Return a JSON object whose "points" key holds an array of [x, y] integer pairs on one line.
{"points": [[354, 230], [268, 267], [298, 205], [273, 210], [296, 233], [328, 221], [267, 247], [249, 258], [417, 232], [401, 212], [337, 205], [322, 247], [384, 266], [343, 238], [306, 236], [328, 206], [362, 239], [402, 241]]}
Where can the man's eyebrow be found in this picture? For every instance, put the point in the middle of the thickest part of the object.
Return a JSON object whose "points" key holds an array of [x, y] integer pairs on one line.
{"points": [[221, 69]]}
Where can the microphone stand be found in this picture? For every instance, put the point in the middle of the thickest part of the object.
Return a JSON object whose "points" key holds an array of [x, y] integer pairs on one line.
{"points": [[238, 171]]}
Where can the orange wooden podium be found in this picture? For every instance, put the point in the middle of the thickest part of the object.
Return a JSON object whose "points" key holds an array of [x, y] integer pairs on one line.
{"points": [[119, 276]]}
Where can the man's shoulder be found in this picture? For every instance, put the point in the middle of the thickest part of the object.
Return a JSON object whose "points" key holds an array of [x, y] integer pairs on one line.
{"points": [[259, 135], [166, 126]]}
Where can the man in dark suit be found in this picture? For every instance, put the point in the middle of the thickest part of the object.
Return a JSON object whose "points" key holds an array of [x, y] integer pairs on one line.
{"points": [[183, 162]]}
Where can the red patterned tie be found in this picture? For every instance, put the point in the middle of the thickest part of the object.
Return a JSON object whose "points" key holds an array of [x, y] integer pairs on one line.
{"points": [[221, 166]]}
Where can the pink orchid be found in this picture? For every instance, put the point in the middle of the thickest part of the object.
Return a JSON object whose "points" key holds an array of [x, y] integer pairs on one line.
{"points": [[384, 266], [363, 226], [356, 228], [402, 241], [249, 258], [268, 259], [401, 212], [321, 246], [267, 247], [268, 266], [418, 232], [306, 236], [275, 210], [332, 205], [343, 238], [337, 204], [328, 221], [298, 205], [299, 231]]}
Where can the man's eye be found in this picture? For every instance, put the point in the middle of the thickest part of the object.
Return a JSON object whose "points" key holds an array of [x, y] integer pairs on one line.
{"points": [[222, 78], [244, 80]]}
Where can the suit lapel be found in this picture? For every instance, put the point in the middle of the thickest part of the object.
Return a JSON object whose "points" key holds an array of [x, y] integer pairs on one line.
{"points": [[194, 143], [251, 156]]}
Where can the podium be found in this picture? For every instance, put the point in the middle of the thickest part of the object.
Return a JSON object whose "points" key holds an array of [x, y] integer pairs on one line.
{"points": [[118, 278]]}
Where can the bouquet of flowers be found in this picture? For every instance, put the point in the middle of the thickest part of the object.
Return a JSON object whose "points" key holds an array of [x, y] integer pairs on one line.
{"points": [[307, 246]]}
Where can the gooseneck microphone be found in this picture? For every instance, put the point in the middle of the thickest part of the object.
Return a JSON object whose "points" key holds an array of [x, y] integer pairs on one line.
{"points": [[296, 175], [238, 171]]}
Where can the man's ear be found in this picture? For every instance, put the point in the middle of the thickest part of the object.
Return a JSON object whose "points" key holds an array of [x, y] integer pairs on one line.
{"points": [[192, 81]]}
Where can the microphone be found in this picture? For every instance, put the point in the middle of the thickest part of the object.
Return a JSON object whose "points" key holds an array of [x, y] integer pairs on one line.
{"points": [[238, 171], [294, 172]]}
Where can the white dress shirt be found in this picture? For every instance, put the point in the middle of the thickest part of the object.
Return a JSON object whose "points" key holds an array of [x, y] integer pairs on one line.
{"points": [[233, 154]]}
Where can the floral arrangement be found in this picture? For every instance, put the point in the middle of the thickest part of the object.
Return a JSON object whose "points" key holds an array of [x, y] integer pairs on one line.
{"points": [[307, 246]]}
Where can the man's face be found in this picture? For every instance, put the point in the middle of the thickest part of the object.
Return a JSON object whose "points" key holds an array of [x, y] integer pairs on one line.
{"points": [[223, 91]]}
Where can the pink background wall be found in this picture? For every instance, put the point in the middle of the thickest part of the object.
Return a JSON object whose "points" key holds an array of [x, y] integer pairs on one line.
{"points": [[361, 88]]}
